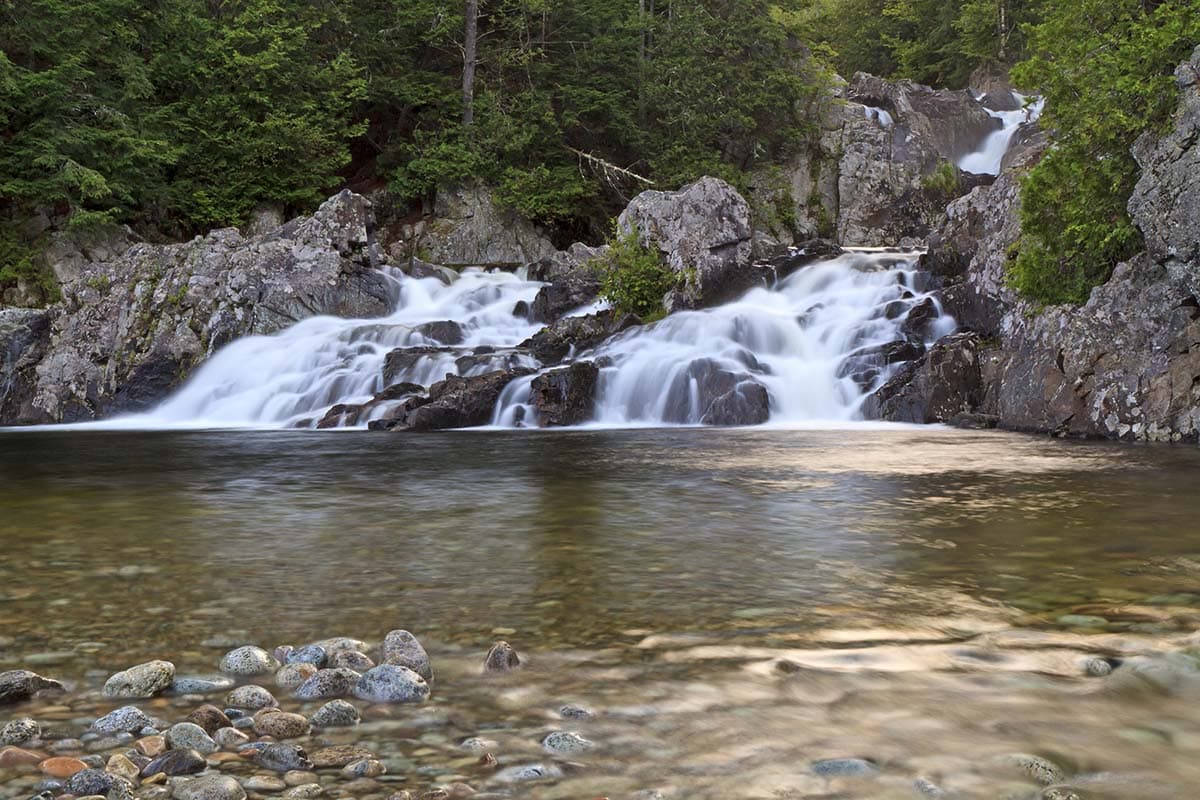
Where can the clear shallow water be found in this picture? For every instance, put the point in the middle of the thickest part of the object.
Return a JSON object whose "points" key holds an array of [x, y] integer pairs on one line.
{"points": [[915, 578]]}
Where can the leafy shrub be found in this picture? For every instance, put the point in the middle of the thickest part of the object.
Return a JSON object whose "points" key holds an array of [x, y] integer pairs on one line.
{"points": [[635, 279], [942, 183], [1105, 68]]}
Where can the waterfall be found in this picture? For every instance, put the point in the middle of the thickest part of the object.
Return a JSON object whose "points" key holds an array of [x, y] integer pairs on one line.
{"points": [[820, 342], [987, 159]]}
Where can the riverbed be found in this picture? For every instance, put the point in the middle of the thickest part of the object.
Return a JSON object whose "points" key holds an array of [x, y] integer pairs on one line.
{"points": [[734, 606]]}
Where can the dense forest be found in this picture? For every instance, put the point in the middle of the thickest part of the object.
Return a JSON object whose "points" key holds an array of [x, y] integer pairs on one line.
{"points": [[175, 116]]}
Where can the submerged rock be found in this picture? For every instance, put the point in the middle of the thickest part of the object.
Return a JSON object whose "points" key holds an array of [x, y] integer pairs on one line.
{"points": [[335, 714], [176, 762], [127, 719], [19, 685], [283, 758], [143, 680], [248, 661], [845, 768], [501, 658], [388, 683], [328, 683], [208, 787], [566, 742], [19, 731], [403, 649]]}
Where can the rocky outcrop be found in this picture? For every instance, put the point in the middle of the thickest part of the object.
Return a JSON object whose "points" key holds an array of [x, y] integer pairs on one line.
{"points": [[703, 233], [712, 395], [129, 330], [24, 336], [1126, 364], [565, 396], [469, 228], [571, 335], [863, 180]]}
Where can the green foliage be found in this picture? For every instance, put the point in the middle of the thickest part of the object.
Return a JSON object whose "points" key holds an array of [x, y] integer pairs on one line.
{"points": [[1105, 67], [19, 264], [635, 279], [942, 183]]}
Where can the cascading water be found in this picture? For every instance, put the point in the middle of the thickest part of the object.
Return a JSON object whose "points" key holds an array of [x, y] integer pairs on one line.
{"points": [[292, 377], [819, 342], [989, 157]]}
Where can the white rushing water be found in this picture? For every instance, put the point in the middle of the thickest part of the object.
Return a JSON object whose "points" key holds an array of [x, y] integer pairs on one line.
{"points": [[798, 339], [806, 340], [987, 160]]}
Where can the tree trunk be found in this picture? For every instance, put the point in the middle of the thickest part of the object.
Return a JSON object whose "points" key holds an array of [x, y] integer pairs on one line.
{"points": [[470, 43]]}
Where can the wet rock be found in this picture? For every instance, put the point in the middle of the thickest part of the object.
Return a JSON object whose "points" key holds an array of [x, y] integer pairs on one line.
{"points": [[708, 393], [844, 768], [24, 339], [528, 772], [702, 233], [304, 791], [566, 742], [458, 402], [575, 712], [90, 781], [573, 335], [327, 684], [388, 683], [283, 758], [352, 660], [927, 788], [11, 756], [190, 736], [176, 762], [143, 680], [251, 697], [209, 717], [470, 229], [229, 738], [565, 396], [280, 724], [312, 654], [265, 783], [290, 676], [364, 768], [920, 319], [122, 767], [19, 731], [339, 756], [62, 766], [941, 387], [445, 332], [128, 719], [248, 661], [1097, 667], [1035, 768], [565, 293], [200, 685], [336, 714], [19, 685], [404, 650], [501, 658], [476, 744], [208, 787]]}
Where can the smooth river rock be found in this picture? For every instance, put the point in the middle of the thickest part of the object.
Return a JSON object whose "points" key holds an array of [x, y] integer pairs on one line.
{"points": [[176, 762], [389, 683], [336, 714], [141, 681], [209, 787], [19, 731], [327, 684], [190, 736], [19, 685], [501, 658], [126, 719], [283, 758], [248, 661], [251, 697], [404, 650]]}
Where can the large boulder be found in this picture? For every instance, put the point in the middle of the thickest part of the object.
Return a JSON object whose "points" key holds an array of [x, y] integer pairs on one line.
{"points": [[702, 232], [130, 330], [469, 228], [565, 396], [706, 392], [946, 385]]}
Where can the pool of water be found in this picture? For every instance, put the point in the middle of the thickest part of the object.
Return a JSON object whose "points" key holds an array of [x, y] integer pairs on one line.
{"points": [[735, 605]]}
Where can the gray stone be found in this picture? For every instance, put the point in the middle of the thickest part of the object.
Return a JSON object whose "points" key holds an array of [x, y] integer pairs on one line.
{"points": [[702, 233], [190, 736], [565, 396], [455, 402], [19, 685], [143, 680], [328, 683], [1035, 768], [90, 781], [19, 731], [577, 334], [502, 657], [280, 724], [200, 685], [248, 661], [566, 742], [176, 762], [251, 697], [528, 772], [471, 229], [364, 768], [844, 768], [128, 719], [208, 787], [388, 683], [404, 650], [290, 676], [24, 338], [229, 738], [351, 659], [336, 714], [309, 654], [283, 758]]}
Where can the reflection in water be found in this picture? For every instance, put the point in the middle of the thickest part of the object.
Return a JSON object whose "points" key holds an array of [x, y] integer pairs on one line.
{"points": [[738, 604]]}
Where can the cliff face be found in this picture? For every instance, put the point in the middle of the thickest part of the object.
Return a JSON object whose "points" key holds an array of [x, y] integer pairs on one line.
{"points": [[1124, 365]]}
